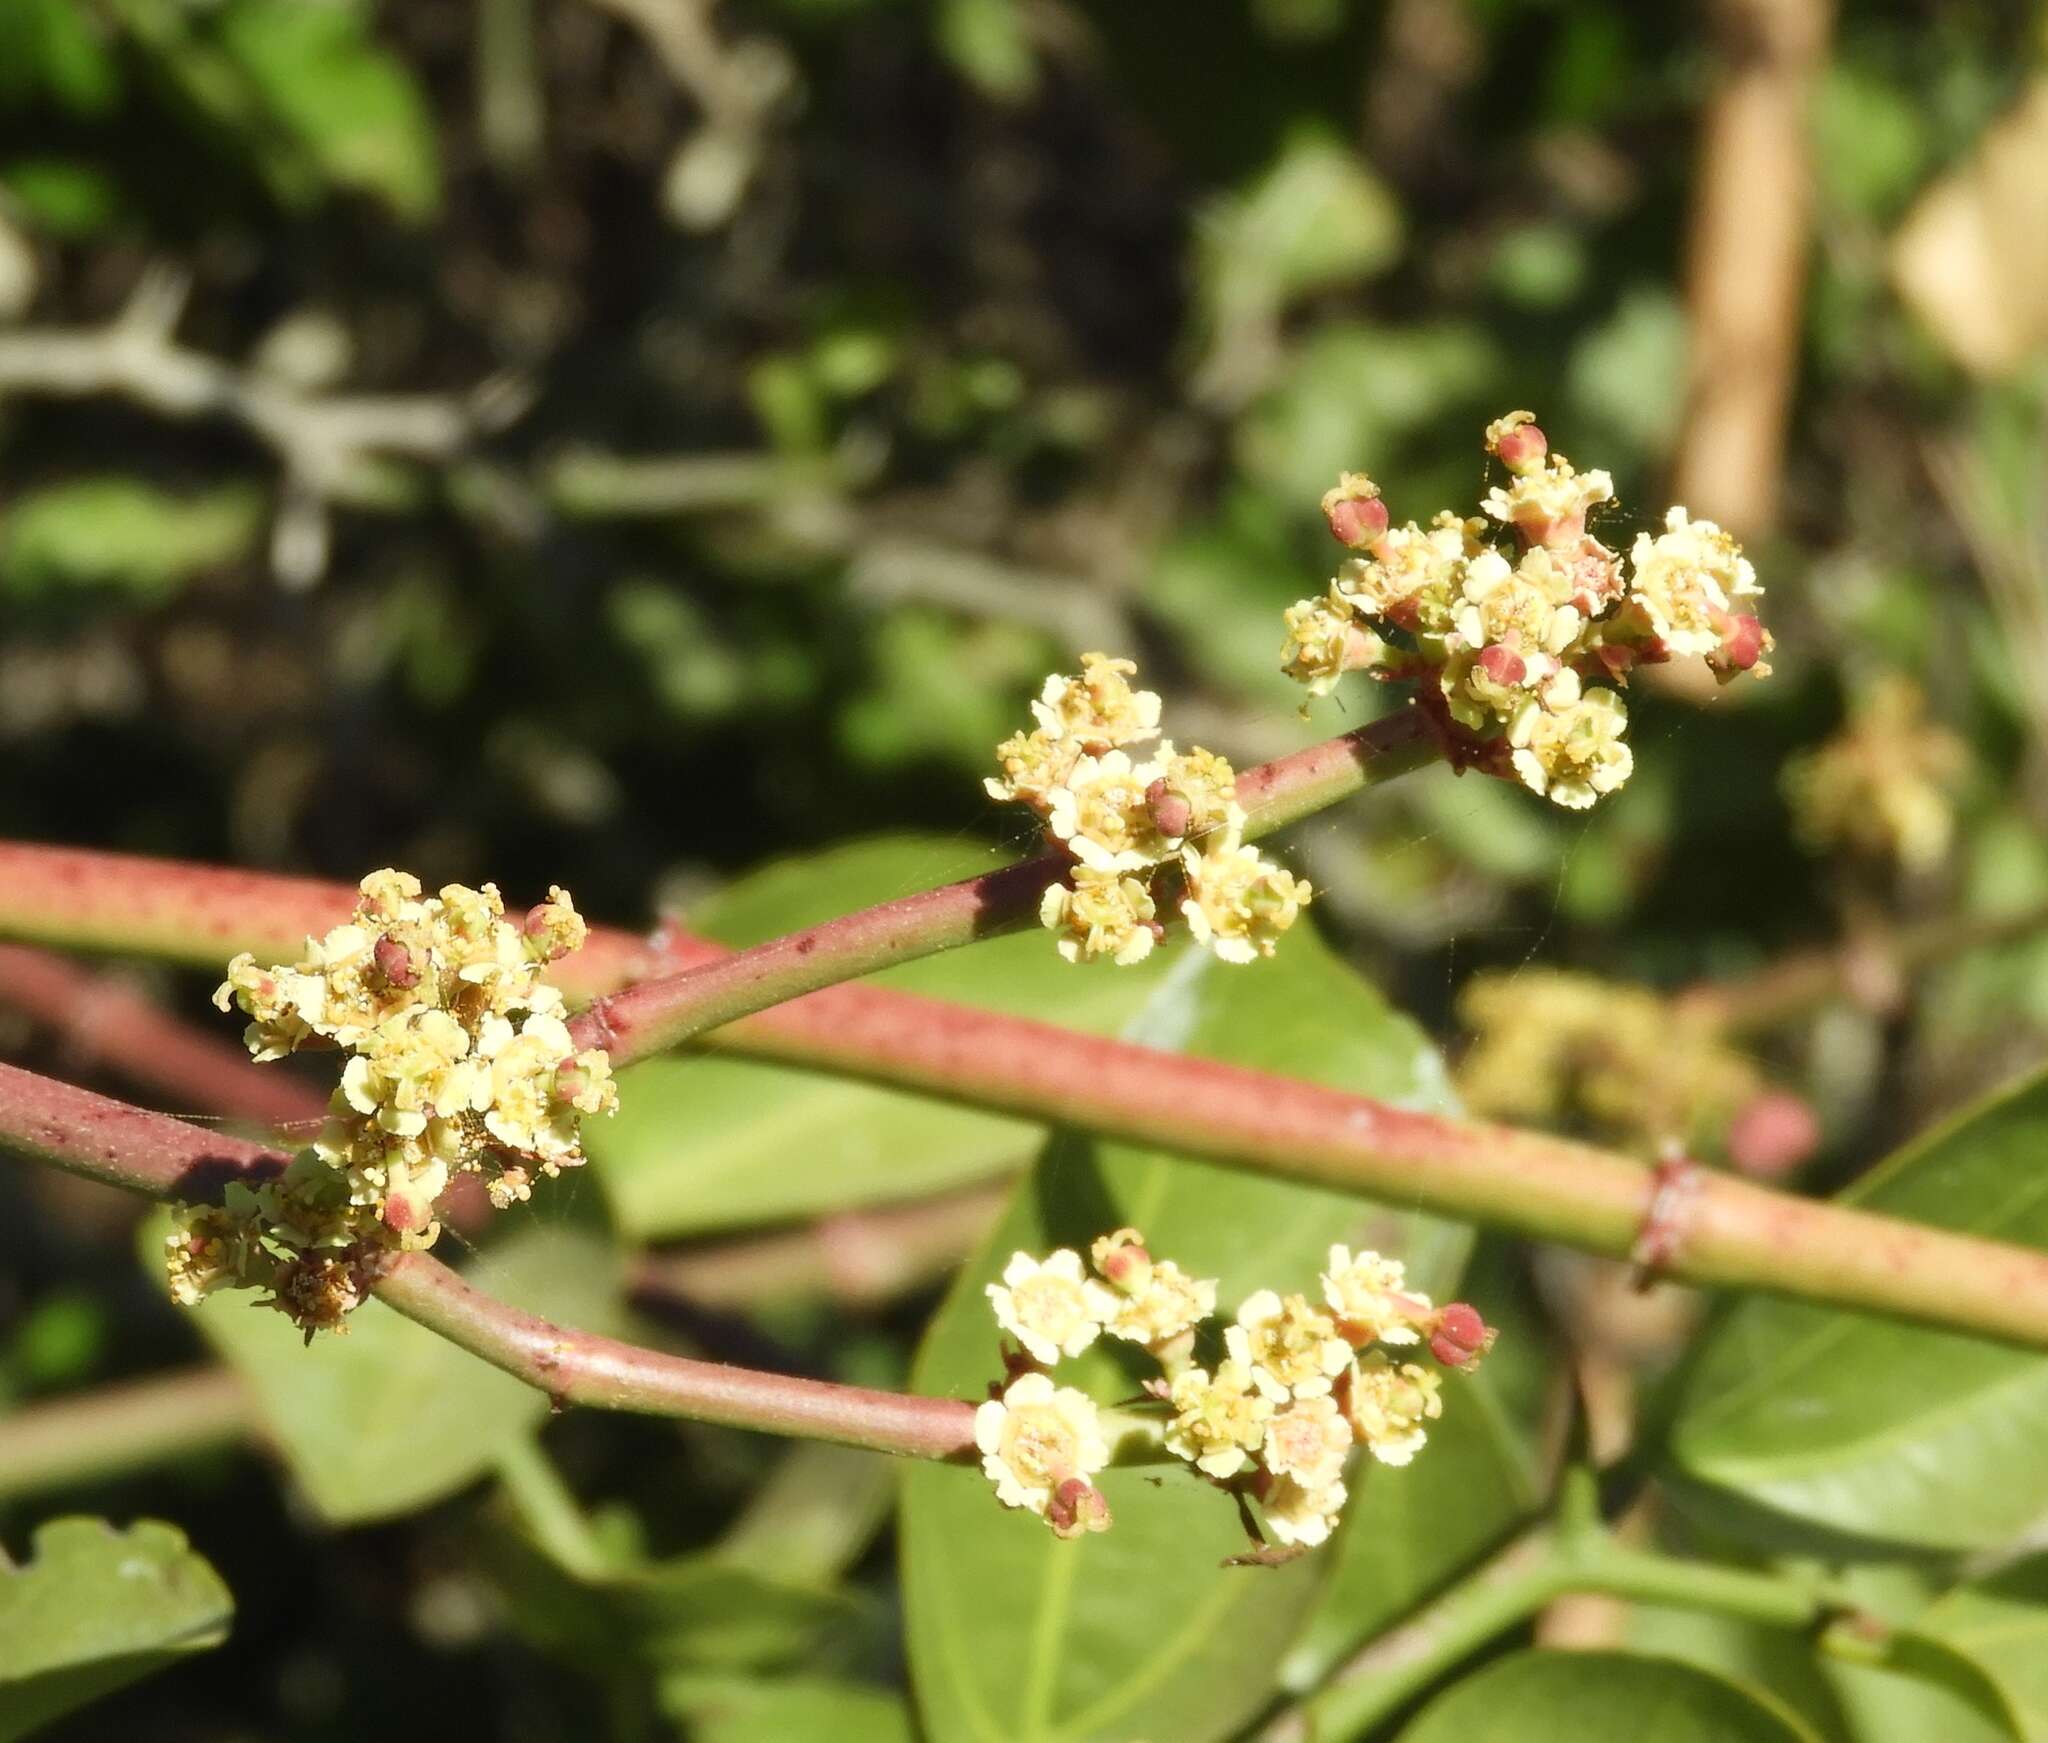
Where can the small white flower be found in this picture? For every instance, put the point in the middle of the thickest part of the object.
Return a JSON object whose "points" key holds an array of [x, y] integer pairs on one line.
{"points": [[1219, 1421], [1301, 1516], [1371, 1299], [1387, 1406], [1050, 1306], [1309, 1442], [1293, 1351], [1036, 1437]]}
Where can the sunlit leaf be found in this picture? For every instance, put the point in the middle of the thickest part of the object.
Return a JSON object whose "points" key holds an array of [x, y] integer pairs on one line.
{"points": [[390, 1417], [1839, 1423], [1140, 1632], [1602, 1697], [93, 1608]]}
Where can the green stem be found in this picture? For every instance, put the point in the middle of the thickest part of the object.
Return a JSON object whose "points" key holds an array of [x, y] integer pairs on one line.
{"points": [[548, 1508], [1543, 1564]]}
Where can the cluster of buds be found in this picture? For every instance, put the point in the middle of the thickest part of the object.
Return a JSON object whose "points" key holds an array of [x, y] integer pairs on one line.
{"points": [[1271, 1413], [1555, 1048], [1130, 824], [458, 1061], [1504, 622], [1881, 789]]}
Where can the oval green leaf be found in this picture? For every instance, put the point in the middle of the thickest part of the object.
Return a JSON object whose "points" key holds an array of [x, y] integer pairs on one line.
{"points": [[1601, 1697], [1016, 1637], [1837, 1427], [94, 1608], [391, 1417], [1988, 1642]]}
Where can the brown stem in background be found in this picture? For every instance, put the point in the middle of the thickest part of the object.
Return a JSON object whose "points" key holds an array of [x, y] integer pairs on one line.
{"points": [[1746, 259], [113, 1430], [858, 1259], [1796, 985], [107, 1025]]}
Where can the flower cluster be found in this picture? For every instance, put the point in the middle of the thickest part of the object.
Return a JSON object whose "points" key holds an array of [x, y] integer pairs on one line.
{"points": [[1505, 621], [1126, 822], [1882, 788], [1272, 1413], [458, 1061], [1552, 1047]]}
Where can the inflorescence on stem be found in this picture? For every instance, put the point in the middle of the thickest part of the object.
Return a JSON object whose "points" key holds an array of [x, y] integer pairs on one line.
{"points": [[1125, 823], [458, 1061], [1287, 1393], [1504, 620]]}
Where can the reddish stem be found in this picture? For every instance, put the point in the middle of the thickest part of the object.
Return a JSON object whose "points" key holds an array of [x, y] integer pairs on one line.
{"points": [[105, 1140], [107, 1025]]}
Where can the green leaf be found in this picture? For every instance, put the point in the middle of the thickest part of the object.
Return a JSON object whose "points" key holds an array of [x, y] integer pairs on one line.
{"points": [[986, 40], [55, 47], [121, 532], [1857, 1431], [788, 1710], [1016, 1637], [1316, 218], [1409, 1532], [388, 1417], [707, 1142], [694, 1612], [1987, 1642], [93, 1609], [1345, 397], [355, 109], [1601, 1697]]}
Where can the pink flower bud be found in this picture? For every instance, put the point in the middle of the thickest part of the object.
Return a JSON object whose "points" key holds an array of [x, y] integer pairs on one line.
{"points": [[406, 1214], [394, 962], [1502, 664], [571, 1080], [1077, 1506], [1127, 1265], [1617, 657], [1171, 813], [1773, 1134], [1523, 448], [1355, 512], [1461, 1336], [1742, 643]]}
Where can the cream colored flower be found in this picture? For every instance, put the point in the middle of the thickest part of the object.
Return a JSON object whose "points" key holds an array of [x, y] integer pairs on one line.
{"points": [[1387, 1406], [1516, 606], [1033, 764], [1207, 785], [1238, 904], [1370, 1298], [1100, 913], [1324, 641], [1101, 814], [1099, 709], [1049, 1306], [1036, 1437], [1413, 576], [1687, 580], [1884, 786], [1548, 505], [1293, 1350], [1170, 1303], [456, 1057], [1572, 754], [1219, 1420], [1303, 1517], [1309, 1442]]}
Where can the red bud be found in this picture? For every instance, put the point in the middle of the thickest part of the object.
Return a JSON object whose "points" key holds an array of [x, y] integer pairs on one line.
{"points": [[1773, 1134], [1523, 448], [394, 962], [1171, 813], [1502, 664]]}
